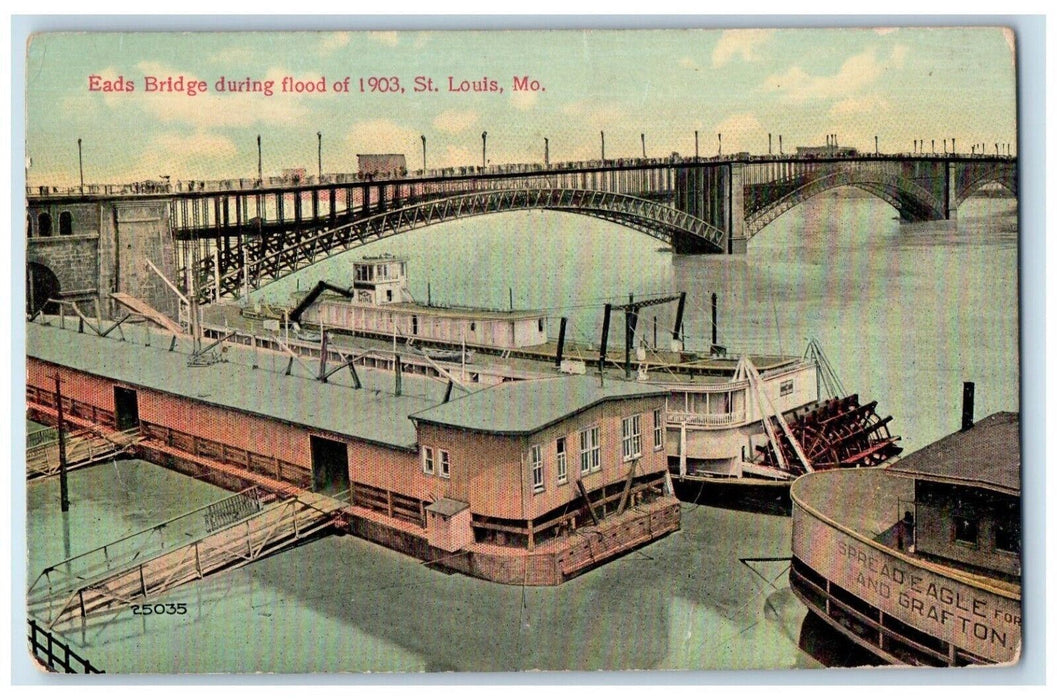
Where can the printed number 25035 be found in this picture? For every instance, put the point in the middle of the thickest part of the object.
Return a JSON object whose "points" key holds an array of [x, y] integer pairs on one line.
{"points": [[160, 609]]}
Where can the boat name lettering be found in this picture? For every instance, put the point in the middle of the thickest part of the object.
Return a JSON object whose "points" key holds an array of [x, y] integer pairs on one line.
{"points": [[964, 612]]}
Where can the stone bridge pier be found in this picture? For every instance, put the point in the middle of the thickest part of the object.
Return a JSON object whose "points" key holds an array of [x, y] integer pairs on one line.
{"points": [[82, 250]]}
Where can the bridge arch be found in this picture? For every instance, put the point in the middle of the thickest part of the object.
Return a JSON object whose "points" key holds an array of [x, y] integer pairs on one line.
{"points": [[976, 178], [913, 202], [270, 259]]}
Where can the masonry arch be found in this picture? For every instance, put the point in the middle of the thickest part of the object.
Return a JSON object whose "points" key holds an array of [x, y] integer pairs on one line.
{"points": [[41, 285]]}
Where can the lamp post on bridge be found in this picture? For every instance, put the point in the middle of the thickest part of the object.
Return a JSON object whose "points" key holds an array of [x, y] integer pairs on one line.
{"points": [[484, 149], [80, 164], [260, 168], [953, 148], [546, 151], [720, 138], [768, 144], [603, 147], [423, 137], [697, 153], [643, 137], [319, 156], [875, 149]]}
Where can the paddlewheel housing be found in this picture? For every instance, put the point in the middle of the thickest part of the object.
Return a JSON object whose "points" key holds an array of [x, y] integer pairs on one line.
{"points": [[837, 433]]}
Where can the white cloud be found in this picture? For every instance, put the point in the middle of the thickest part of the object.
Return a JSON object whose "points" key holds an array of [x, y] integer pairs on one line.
{"points": [[454, 121], [384, 38], [866, 104], [333, 41], [232, 54], [524, 100], [859, 71], [739, 42], [594, 115], [689, 63]]}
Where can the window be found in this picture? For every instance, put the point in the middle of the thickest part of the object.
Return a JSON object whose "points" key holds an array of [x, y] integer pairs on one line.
{"points": [[445, 464], [427, 460], [536, 460], [563, 470], [658, 429], [44, 224], [589, 450], [1007, 537], [786, 388], [966, 530], [540, 325], [65, 224], [632, 437]]}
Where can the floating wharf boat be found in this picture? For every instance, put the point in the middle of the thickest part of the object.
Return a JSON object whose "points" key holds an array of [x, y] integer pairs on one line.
{"points": [[919, 562], [749, 421], [527, 483]]}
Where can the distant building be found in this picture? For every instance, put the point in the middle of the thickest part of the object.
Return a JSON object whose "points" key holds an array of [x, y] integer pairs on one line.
{"points": [[826, 151], [293, 175], [372, 164]]}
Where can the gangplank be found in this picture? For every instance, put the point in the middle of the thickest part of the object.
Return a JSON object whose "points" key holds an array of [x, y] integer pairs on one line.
{"points": [[232, 532], [83, 449]]}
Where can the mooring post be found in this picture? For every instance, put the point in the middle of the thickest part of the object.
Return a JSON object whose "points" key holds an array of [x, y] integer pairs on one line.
{"points": [[64, 489], [561, 342]]}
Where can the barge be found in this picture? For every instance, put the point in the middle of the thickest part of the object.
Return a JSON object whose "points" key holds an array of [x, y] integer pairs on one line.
{"points": [[919, 562], [745, 423]]}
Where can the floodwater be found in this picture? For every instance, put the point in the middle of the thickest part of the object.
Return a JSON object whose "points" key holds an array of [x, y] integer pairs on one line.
{"points": [[904, 313]]}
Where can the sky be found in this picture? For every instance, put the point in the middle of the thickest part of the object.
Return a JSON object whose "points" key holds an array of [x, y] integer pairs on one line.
{"points": [[896, 84]]}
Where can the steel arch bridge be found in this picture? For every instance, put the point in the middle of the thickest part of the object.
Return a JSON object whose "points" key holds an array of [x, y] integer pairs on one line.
{"points": [[271, 257], [913, 202], [918, 191]]}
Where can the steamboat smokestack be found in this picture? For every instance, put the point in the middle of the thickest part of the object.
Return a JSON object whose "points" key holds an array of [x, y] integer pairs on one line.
{"points": [[968, 389]]}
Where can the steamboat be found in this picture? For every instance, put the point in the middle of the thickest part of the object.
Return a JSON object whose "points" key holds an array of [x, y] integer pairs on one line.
{"points": [[747, 423], [919, 562]]}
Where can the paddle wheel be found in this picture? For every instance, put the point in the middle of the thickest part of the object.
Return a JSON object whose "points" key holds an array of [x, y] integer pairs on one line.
{"points": [[837, 433]]}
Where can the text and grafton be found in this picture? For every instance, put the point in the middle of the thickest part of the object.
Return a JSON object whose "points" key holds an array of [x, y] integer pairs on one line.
{"points": [[321, 85]]}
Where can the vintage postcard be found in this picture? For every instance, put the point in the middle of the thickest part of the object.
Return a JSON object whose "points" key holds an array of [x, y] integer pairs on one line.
{"points": [[572, 350]]}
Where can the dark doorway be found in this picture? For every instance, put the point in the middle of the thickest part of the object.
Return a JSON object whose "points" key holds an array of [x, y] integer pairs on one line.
{"points": [[330, 466], [66, 224], [41, 285], [44, 224], [126, 408]]}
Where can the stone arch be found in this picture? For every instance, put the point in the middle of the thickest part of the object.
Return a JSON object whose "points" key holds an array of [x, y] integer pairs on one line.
{"points": [[65, 223], [41, 285]]}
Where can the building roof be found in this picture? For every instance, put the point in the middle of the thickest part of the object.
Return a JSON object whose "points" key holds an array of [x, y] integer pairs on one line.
{"points": [[986, 455], [372, 414], [447, 507], [522, 408]]}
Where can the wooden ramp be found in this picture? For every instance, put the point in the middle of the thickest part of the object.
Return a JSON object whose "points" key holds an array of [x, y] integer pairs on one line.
{"points": [[83, 448], [146, 311], [232, 532]]}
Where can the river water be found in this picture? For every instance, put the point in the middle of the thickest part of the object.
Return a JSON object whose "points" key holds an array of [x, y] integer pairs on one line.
{"points": [[905, 313]]}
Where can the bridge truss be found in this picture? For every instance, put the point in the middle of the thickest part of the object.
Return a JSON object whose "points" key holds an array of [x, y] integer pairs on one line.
{"points": [[273, 254]]}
